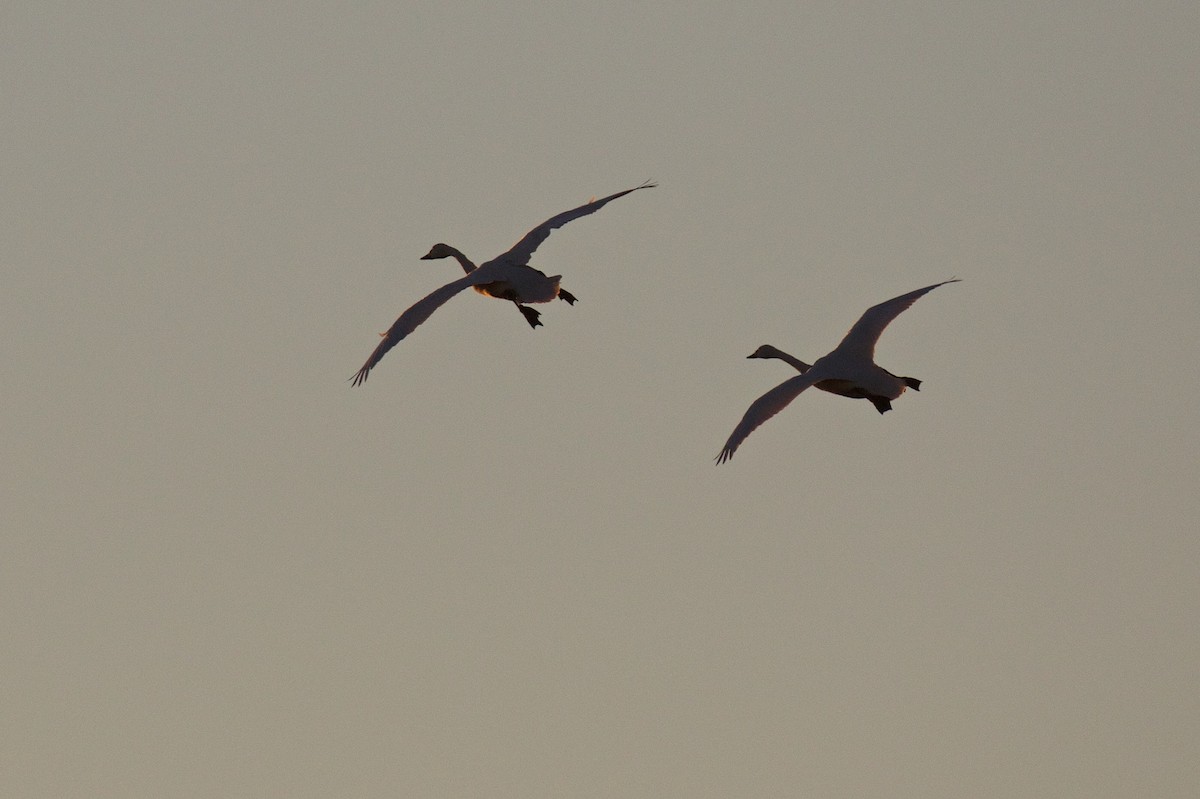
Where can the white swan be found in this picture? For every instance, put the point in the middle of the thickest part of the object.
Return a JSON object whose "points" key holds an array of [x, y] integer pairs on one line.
{"points": [[849, 370], [841, 387], [498, 289], [506, 276]]}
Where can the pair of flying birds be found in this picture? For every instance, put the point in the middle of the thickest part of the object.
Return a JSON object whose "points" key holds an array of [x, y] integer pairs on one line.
{"points": [[849, 370]]}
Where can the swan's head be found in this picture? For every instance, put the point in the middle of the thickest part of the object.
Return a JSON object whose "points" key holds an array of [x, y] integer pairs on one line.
{"points": [[439, 251], [765, 351]]}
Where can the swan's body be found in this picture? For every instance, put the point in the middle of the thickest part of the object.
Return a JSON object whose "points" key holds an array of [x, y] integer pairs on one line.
{"points": [[850, 370], [499, 289], [507, 276], [842, 387]]}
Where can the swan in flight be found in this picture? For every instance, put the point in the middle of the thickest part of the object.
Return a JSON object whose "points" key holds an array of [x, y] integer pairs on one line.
{"points": [[507, 276], [493, 289], [849, 370], [841, 387]]}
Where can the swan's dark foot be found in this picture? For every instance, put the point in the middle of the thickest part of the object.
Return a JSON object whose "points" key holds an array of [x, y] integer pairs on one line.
{"points": [[567, 296], [882, 404], [912, 383], [531, 316]]}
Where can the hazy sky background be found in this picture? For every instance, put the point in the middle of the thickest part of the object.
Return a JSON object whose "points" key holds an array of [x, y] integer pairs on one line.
{"points": [[507, 565]]}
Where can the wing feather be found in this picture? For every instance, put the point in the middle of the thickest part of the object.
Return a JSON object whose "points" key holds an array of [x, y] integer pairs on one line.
{"points": [[523, 250], [862, 337], [413, 317], [765, 407]]}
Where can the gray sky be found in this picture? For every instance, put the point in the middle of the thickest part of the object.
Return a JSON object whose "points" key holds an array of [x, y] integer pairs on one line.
{"points": [[507, 565]]}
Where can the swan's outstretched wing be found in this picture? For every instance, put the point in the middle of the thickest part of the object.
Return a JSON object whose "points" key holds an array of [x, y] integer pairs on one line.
{"points": [[765, 407], [414, 316], [866, 331], [523, 249]]}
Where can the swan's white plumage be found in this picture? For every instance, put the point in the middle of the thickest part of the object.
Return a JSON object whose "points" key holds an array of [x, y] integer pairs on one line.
{"points": [[506, 276], [765, 407], [521, 252], [861, 338], [851, 367]]}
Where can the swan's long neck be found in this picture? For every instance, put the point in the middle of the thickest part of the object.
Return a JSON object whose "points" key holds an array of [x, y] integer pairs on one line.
{"points": [[463, 260], [797, 364]]}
